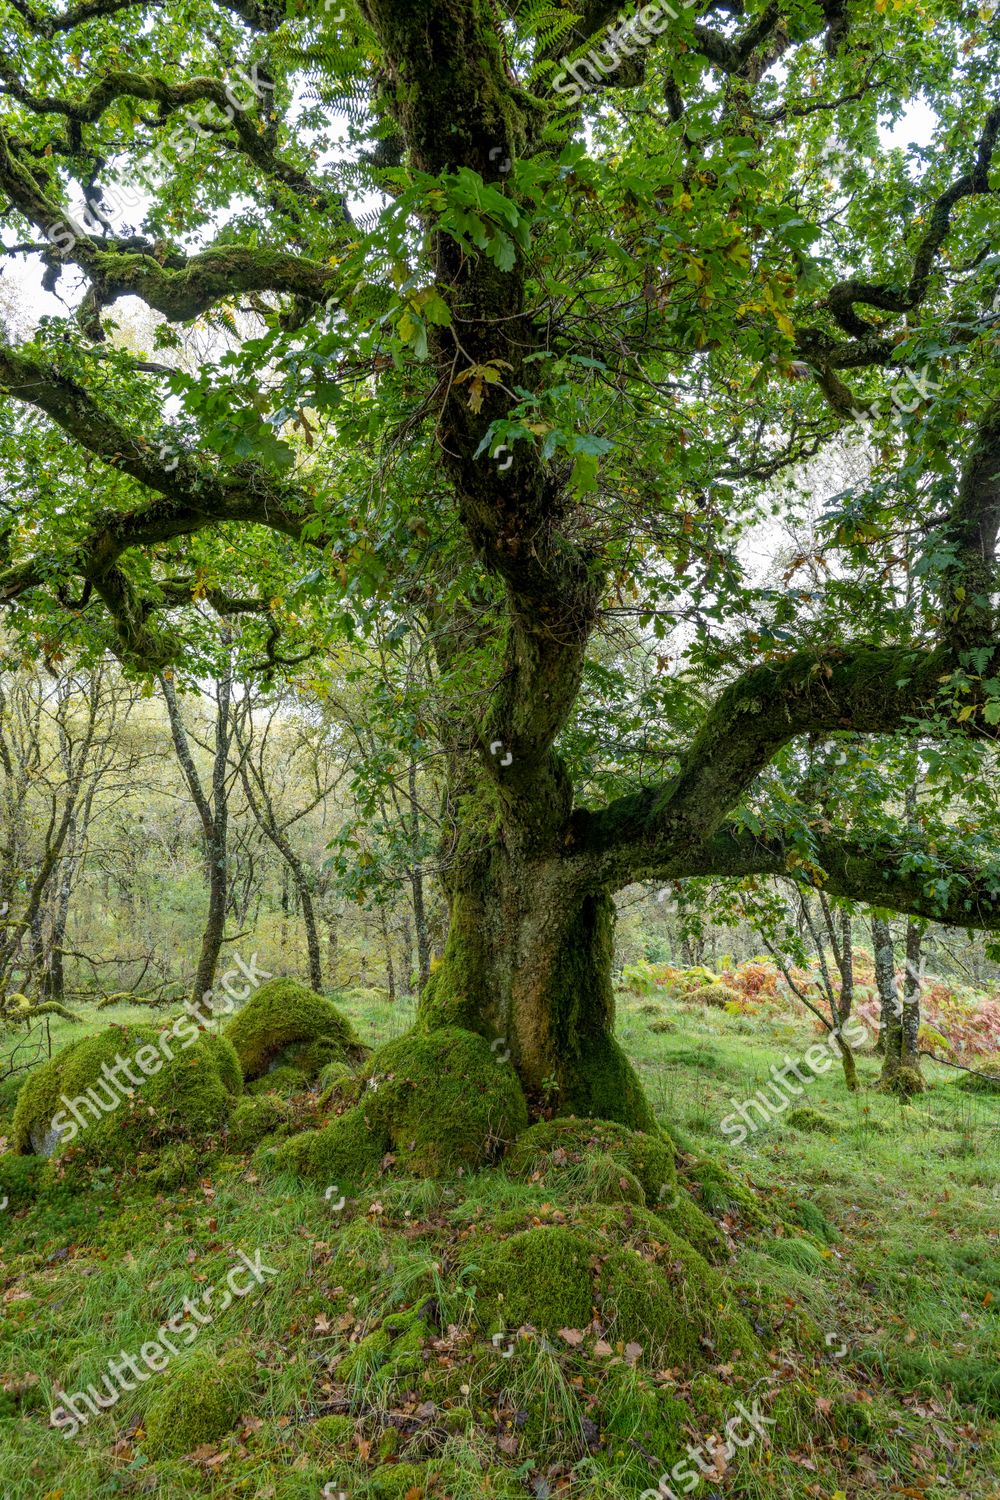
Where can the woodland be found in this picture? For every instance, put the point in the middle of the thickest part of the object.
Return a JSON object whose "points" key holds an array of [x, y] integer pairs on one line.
{"points": [[499, 716]]}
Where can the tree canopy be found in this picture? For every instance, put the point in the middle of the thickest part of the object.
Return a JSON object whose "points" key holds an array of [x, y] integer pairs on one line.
{"points": [[524, 330]]}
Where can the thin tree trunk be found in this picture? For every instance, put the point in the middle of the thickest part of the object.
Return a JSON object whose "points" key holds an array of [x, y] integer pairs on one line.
{"points": [[390, 967], [417, 883], [214, 816], [909, 1044], [846, 964], [885, 980]]}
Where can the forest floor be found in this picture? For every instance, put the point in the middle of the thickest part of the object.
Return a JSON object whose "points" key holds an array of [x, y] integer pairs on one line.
{"points": [[862, 1243]]}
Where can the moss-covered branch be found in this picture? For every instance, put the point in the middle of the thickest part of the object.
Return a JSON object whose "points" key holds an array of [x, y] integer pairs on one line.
{"points": [[900, 874], [869, 690], [191, 496], [179, 294]]}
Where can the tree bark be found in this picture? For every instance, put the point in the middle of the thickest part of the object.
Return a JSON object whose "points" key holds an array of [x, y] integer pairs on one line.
{"points": [[528, 963], [885, 980], [417, 881], [900, 1019]]}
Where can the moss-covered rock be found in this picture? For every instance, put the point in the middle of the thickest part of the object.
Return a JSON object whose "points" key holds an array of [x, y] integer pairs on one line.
{"points": [[281, 1083], [198, 1399], [254, 1119], [95, 1095], [643, 1283], [437, 1102], [346, 1153], [445, 1100], [169, 1168], [541, 1276], [692, 1224], [334, 1075], [555, 1150], [604, 1180], [721, 1192], [285, 1024], [600, 1161]]}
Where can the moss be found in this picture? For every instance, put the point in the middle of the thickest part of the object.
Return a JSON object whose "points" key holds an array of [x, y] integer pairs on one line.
{"points": [[540, 1276], [721, 1192], [443, 1100], [283, 1081], [805, 1213], [394, 1349], [20, 1180], [398, 1481], [716, 995], [599, 1161], [189, 1098], [334, 1073], [606, 1086], [555, 1149], [902, 1082], [637, 1414], [37, 1104], [346, 1153], [640, 1304], [310, 1058], [812, 1121], [328, 1433], [223, 1054], [168, 1169], [687, 1219], [197, 1400], [604, 1180], [285, 1020], [254, 1118], [648, 1286]]}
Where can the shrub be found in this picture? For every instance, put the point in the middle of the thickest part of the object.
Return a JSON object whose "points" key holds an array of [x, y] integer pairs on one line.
{"points": [[719, 996]]}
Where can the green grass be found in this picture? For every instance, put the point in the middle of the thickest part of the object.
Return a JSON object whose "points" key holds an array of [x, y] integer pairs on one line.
{"points": [[866, 1259]]}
